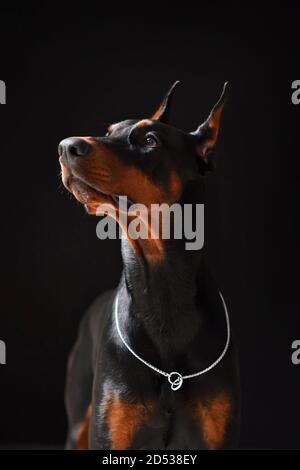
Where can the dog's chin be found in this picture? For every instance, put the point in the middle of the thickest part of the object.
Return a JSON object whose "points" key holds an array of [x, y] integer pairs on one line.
{"points": [[94, 201]]}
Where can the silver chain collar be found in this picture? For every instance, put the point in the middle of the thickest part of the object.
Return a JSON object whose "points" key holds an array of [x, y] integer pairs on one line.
{"points": [[175, 378]]}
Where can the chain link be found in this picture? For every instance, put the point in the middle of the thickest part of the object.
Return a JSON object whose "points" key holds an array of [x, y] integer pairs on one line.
{"points": [[175, 383]]}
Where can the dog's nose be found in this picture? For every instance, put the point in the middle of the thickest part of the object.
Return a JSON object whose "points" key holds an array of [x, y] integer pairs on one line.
{"points": [[73, 147]]}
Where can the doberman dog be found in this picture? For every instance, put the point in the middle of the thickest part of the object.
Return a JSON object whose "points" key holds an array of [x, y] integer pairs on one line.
{"points": [[170, 312]]}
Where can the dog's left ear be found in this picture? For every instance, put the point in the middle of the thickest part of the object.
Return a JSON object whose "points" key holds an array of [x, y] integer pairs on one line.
{"points": [[207, 133], [162, 114]]}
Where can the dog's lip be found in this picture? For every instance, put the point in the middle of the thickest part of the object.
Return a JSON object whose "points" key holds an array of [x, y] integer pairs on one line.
{"points": [[115, 198], [75, 180]]}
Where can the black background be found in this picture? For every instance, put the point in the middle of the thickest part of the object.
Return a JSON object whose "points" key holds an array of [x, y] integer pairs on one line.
{"points": [[72, 72]]}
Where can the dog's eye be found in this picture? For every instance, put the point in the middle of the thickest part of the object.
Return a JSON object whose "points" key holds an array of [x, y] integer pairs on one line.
{"points": [[151, 141]]}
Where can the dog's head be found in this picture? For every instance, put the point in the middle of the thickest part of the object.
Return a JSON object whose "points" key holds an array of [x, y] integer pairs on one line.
{"points": [[147, 160]]}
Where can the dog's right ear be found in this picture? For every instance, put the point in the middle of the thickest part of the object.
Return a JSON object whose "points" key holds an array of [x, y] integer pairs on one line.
{"points": [[207, 134], [162, 114]]}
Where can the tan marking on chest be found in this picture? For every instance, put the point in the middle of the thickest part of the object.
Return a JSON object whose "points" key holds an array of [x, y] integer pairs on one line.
{"points": [[123, 420], [213, 417]]}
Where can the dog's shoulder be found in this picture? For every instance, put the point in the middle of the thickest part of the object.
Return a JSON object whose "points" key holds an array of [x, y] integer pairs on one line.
{"points": [[97, 314]]}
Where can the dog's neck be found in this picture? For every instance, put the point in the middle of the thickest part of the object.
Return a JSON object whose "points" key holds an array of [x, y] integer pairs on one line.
{"points": [[163, 293]]}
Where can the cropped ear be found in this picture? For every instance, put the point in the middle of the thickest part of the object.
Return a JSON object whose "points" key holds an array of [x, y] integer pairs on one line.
{"points": [[207, 132], [162, 114]]}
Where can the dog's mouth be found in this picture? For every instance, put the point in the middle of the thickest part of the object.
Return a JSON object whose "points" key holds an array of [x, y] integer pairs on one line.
{"points": [[94, 200]]}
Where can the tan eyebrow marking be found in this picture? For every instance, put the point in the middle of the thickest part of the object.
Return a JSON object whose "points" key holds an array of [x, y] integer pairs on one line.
{"points": [[143, 123], [111, 127]]}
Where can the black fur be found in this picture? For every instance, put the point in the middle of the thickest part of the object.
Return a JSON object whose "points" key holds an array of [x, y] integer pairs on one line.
{"points": [[170, 312]]}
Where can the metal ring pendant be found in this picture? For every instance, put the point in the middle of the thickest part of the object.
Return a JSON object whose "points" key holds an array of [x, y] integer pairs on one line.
{"points": [[176, 380]]}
